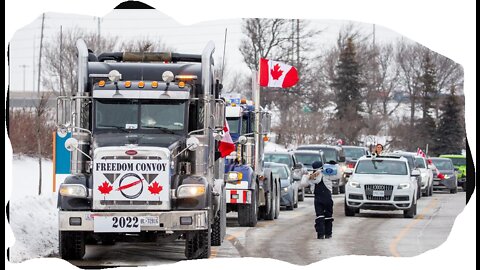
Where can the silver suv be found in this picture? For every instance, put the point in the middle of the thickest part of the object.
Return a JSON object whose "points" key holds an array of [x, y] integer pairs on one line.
{"points": [[382, 183]]}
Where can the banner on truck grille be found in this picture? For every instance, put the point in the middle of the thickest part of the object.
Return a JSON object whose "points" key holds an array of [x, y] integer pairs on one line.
{"points": [[143, 180]]}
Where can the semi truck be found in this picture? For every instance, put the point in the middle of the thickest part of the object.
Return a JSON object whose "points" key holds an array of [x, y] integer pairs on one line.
{"points": [[144, 163], [251, 190]]}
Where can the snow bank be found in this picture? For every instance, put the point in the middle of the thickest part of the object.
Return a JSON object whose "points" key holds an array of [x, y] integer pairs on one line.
{"points": [[33, 218]]}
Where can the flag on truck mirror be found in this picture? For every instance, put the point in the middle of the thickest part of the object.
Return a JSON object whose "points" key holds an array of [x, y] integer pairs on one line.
{"points": [[226, 145], [277, 74]]}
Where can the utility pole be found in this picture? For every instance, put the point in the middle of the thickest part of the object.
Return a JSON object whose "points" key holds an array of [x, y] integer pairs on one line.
{"points": [[33, 64], [62, 89], [99, 32], [40, 56], [24, 67]]}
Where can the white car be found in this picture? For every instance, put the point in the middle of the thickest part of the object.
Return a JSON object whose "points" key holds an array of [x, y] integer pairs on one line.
{"points": [[382, 183], [426, 175]]}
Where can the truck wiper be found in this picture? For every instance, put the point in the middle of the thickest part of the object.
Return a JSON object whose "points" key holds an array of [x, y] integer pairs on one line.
{"points": [[166, 130], [118, 128]]}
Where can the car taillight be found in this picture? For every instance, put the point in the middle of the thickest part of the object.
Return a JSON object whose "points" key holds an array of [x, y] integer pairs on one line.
{"points": [[351, 165]]}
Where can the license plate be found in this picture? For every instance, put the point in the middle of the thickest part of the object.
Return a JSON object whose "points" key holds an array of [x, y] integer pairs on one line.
{"points": [[436, 183], [235, 196], [123, 224], [378, 193]]}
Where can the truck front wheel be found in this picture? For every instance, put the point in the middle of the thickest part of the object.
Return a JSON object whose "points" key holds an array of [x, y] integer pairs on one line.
{"points": [[72, 245], [220, 224], [247, 213], [198, 245]]}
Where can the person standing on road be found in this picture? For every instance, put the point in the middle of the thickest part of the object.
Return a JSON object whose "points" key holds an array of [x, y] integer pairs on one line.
{"points": [[323, 202]]}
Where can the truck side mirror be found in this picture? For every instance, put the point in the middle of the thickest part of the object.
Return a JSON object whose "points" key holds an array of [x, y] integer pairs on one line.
{"points": [[341, 159], [71, 144], [242, 140], [192, 143], [298, 166]]}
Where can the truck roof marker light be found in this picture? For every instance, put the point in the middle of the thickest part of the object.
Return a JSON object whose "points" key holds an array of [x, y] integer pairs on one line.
{"points": [[186, 77], [265, 138], [154, 84], [233, 105], [131, 152], [243, 101], [128, 84], [181, 84], [168, 76], [141, 84], [101, 83]]}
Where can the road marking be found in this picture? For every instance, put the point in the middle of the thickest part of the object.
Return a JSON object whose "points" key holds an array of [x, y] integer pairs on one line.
{"points": [[406, 229], [213, 253]]}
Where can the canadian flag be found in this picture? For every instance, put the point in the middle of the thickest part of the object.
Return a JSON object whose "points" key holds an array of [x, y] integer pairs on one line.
{"points": [[420, 152], [277, 74], [226, 145]]}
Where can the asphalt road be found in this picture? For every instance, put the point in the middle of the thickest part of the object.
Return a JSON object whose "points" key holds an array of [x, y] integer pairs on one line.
{"points": [[292, 237]]}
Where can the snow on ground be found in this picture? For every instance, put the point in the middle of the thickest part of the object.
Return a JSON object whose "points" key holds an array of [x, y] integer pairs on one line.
{"points": [[33, 218]]}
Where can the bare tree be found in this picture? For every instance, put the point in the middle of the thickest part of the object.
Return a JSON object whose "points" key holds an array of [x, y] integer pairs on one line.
{"points": [[40, 112], [144, 45], [59, 74]]}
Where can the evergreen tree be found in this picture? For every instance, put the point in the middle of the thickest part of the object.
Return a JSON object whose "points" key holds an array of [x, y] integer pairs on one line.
{"points": [[347, 86], [451, 129], [426, 126]]}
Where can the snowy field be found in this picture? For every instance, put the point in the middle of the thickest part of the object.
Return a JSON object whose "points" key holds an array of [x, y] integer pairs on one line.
{"points": [[33, 218]]}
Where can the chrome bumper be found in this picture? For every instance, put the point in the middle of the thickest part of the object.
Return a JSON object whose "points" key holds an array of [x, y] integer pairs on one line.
{"points": [[168, 221]]}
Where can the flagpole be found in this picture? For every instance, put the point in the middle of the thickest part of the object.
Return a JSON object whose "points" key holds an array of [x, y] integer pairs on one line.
{"points": [[426, 150]]}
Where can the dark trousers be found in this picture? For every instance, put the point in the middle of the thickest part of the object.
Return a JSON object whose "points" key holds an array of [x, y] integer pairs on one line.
{"points": [[323, 209]]}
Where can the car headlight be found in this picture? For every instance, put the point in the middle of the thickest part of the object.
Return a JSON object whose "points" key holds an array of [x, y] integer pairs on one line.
{"points": [[190, 191], [285, 189], [234, 176], [404, 186], [354, 184], [73, 190], [447, 176]]}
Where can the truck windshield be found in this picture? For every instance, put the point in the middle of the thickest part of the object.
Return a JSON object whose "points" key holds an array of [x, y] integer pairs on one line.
{"points": [[233, 124], [381, 167], [168, 115]]}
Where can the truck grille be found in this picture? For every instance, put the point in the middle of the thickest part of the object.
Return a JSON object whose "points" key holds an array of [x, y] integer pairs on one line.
{"points": [[387, 189]]}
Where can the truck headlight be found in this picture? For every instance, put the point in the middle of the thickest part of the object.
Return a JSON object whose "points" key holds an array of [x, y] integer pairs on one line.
{"points": [[73, 190], [285, 189], [234, 176], [190, 191], [354, 184], [404, 186]]}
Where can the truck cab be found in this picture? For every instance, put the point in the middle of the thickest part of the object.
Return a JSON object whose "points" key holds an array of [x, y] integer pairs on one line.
{"points": [[143, 157]]}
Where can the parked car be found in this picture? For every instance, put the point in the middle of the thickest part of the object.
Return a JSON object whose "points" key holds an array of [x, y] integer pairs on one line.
{"points": [[352, 154], [410, 156], [289, 187], [460, 162], [306, 158], [382, 183], [449, 179], [296, 169], [332, 154], [426, 174]]}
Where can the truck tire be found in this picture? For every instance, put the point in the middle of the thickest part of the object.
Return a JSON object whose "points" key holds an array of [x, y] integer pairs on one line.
{"points": [[349, 211], [72, 245], [220, 224], [277, 206], [411, 212], [453, 191], [271, 200], [198, 245], [247, 213]]}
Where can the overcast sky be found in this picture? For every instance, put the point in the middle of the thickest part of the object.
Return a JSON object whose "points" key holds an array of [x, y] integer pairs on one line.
{"points": [[152, 24]]}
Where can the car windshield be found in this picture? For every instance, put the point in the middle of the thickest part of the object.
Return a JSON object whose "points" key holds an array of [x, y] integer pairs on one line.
{"points": [[380, 166], [459, 161], [420, 163], [168, 115], [443, 164], [281, 171], [279, 158], [330, 154], [353, 153], [307, 159]]}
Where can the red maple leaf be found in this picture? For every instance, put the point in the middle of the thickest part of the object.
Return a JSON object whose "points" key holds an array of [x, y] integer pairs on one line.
{"points": [[105, 188], [276, 72], [155, 188]]}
